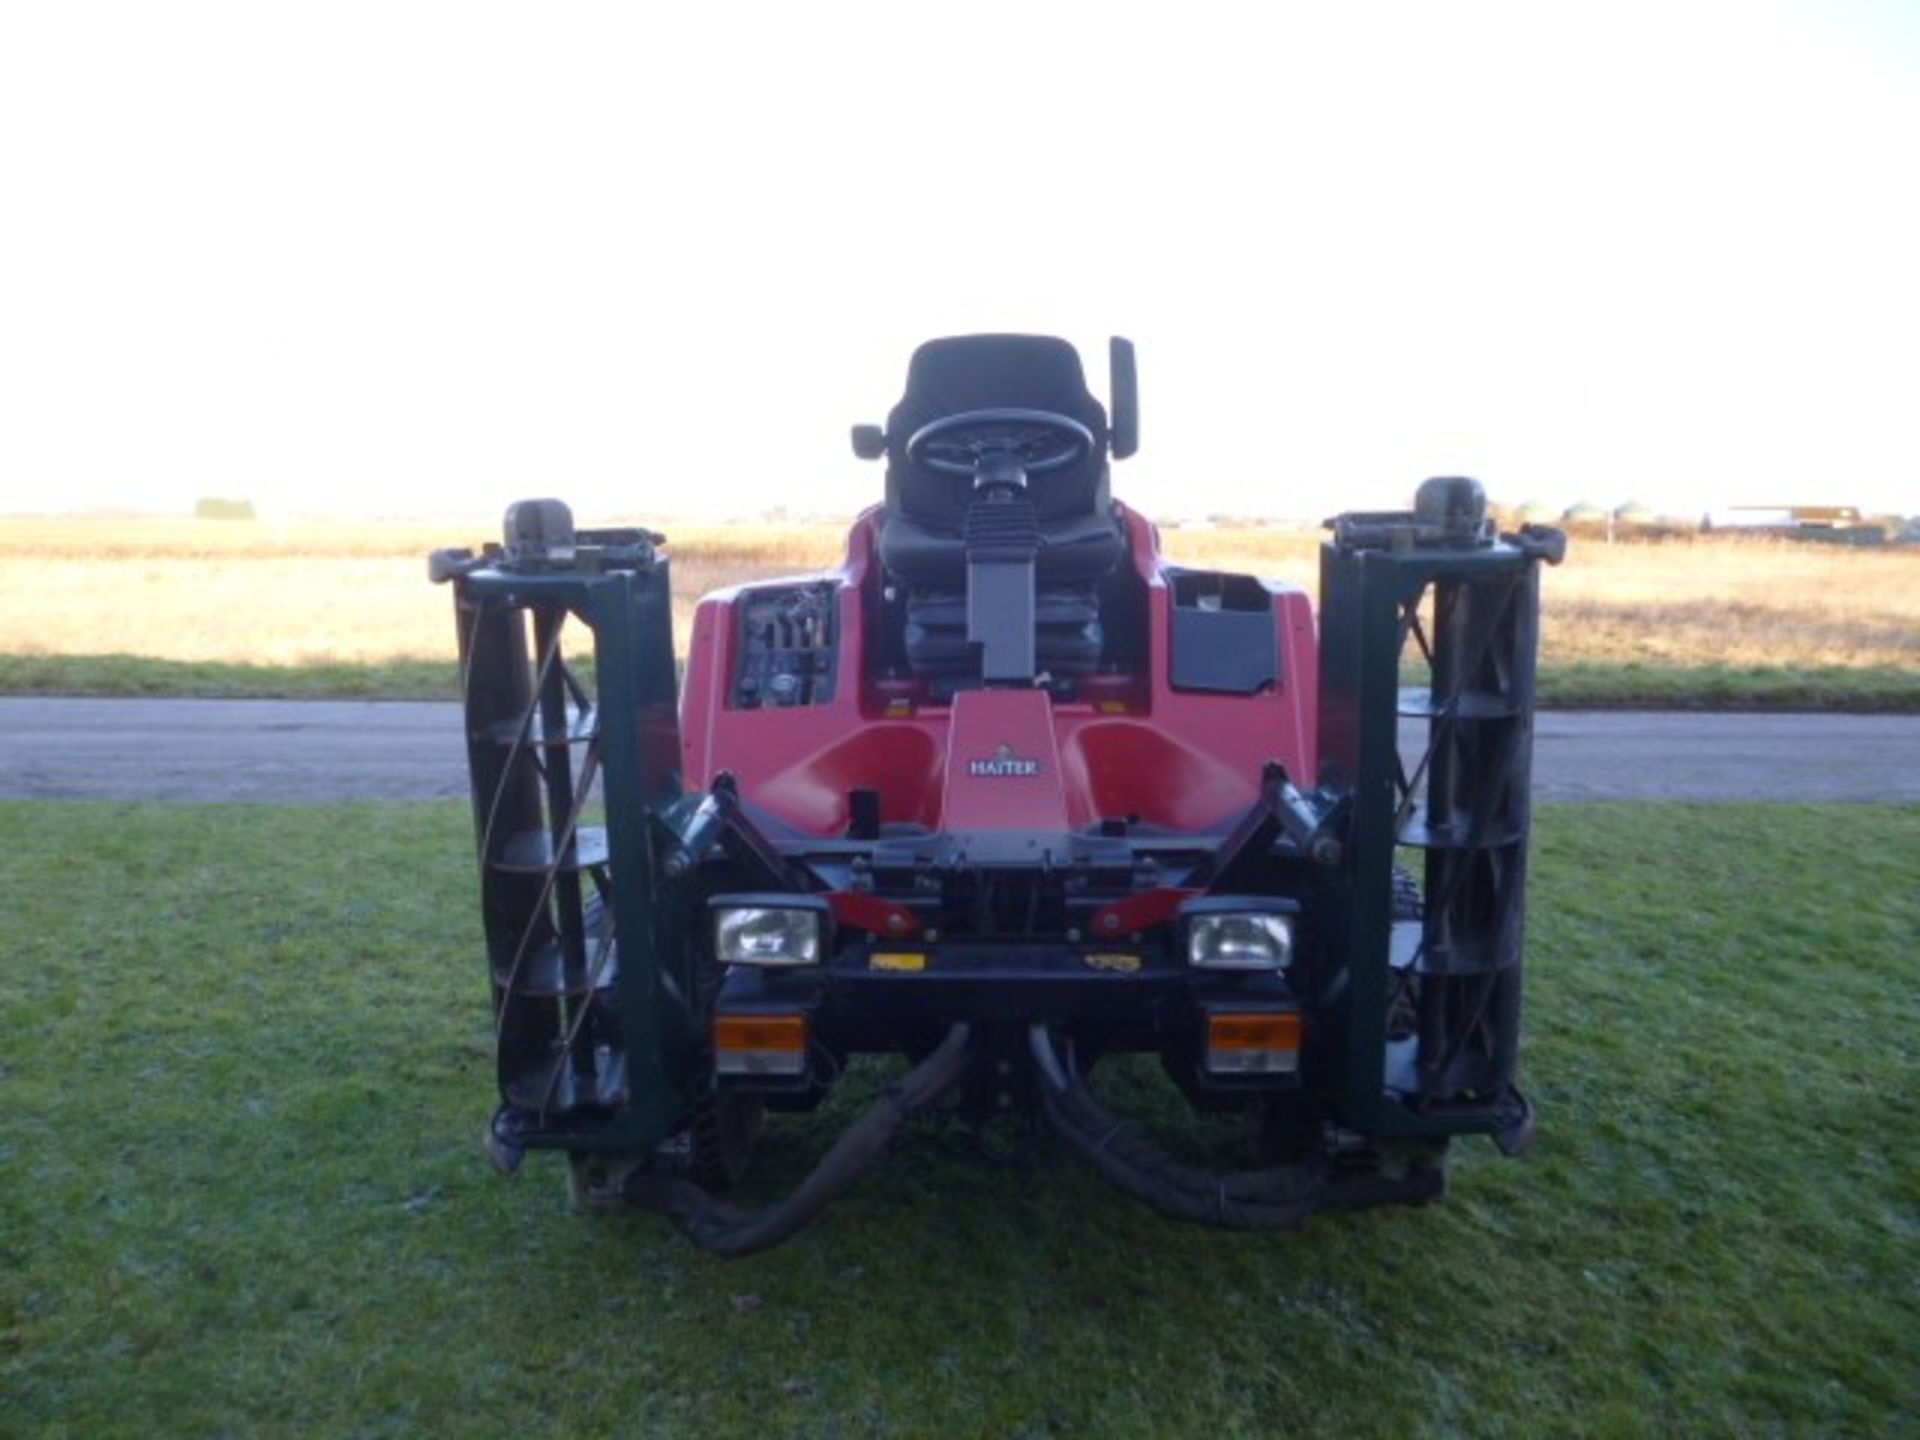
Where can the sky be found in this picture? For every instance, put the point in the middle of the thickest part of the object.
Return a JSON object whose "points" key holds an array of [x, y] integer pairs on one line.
{"points": [[408, 258]]}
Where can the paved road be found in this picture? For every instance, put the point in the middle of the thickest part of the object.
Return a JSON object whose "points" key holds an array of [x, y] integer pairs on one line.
{"points": [[276, 750]]}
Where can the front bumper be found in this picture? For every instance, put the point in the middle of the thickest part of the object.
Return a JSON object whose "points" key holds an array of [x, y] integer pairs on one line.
{"points": [[881, 997]]}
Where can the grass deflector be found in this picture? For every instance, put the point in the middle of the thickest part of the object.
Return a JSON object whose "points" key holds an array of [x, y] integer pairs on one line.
{"points": [[1005, 794]]}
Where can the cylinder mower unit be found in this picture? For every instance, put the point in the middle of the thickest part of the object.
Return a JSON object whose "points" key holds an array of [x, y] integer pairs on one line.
{"points": [[1005, 794]]}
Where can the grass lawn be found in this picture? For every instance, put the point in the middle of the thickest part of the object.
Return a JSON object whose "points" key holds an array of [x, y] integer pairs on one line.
{"points": [[1583, 685], [119, 675], [246, 1060]]}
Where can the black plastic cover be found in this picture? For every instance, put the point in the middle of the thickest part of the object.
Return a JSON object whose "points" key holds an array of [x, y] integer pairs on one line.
{"points": [[1224, 638]]}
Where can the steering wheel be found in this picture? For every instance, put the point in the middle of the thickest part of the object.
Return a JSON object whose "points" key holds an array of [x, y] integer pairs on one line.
{"points": [[1036, 440]]}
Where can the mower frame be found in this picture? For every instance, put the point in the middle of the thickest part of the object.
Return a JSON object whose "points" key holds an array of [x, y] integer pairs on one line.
{"points": [[597, 859]]}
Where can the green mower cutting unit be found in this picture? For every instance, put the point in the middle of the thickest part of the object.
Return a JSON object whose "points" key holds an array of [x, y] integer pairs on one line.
{"points": [[1005, 794]]}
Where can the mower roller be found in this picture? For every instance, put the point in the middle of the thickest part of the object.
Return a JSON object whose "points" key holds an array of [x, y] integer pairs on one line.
{"points": [[1005, 794]]}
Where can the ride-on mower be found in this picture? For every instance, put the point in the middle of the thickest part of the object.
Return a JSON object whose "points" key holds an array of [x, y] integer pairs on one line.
{"points": [[1006, 794]]}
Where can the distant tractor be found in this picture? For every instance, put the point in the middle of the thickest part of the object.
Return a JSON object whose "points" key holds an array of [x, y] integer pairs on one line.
{"points": [[1008, 795]]}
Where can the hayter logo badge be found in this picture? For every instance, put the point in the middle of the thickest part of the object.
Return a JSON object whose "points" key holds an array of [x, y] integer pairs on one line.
{"points": [[1004, 764]]}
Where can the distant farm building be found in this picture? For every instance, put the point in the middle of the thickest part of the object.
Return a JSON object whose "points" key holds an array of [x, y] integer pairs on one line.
{"points": [[1781, 517], [1840, 523], [1633, 513], [214, 507]]}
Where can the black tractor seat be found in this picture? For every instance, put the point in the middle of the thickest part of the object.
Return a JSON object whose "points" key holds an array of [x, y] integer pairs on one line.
{"points": [[940, 521], [1083, 549]]}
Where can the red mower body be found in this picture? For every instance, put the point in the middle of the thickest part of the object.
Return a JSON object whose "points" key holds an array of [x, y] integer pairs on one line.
{"points": [[1127, 744], [1006, 794]]}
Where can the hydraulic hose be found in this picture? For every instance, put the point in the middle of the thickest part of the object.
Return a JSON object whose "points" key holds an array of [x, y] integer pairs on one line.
{"points": [[729, 1230], [1271, 1199]]}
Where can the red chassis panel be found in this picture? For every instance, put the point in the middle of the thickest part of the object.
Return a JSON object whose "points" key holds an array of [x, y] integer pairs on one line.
{"points": [[1002, 759]]}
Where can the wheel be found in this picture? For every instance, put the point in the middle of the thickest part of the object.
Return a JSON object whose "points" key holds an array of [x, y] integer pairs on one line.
{"points": [[713, 1151], [1287, 1127], [596, 1180], [1408, 902], [1286, 1130], [726, 1124], [1403, 1015], [713, 1148], [1037, 441], [725, 1127], [1420, 1167]]}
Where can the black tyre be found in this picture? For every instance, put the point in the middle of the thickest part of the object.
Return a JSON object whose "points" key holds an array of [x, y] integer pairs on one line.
{"points": [[725, 1127], [1289, 1129], [1408, 902]]}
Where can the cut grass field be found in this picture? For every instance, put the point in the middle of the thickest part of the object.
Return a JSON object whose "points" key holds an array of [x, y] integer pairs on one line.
{"points": [[247, 1059], [198, 608]]}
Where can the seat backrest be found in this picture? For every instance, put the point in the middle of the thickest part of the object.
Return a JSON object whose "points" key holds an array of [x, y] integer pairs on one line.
{"points": [[991, 372]]}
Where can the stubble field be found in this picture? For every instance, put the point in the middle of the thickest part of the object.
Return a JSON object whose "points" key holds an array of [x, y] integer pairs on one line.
{"points": [[114, 606]]}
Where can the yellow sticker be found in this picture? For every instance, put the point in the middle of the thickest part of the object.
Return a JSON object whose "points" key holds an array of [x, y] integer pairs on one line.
{"points": [[1113, 960], [897, 960]]}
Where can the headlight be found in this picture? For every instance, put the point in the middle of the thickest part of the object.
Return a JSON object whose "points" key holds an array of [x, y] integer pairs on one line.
{"points": [[767, 934], [1239, 940]]}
